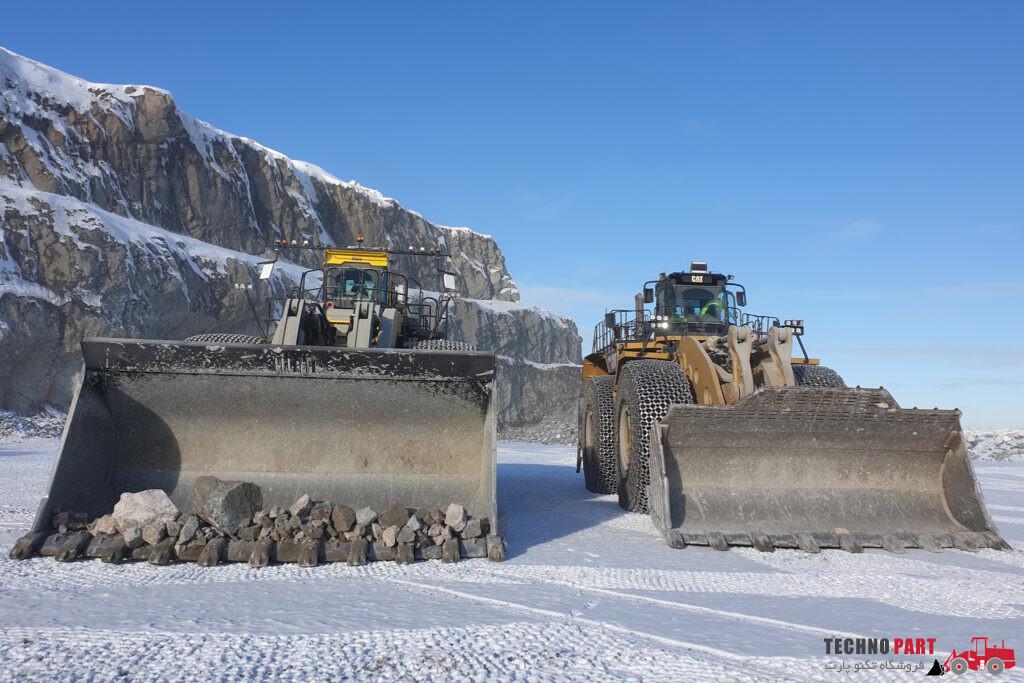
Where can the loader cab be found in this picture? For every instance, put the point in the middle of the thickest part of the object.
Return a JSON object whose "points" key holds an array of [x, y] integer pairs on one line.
{"points": [[344, 285], [693, 303]]}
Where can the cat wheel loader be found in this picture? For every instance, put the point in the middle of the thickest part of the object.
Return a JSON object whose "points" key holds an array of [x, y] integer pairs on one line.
{"points": [[355, 397], [704, 417]]}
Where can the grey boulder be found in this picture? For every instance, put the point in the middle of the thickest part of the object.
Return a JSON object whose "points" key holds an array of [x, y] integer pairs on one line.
{"points": [[225, 504]]}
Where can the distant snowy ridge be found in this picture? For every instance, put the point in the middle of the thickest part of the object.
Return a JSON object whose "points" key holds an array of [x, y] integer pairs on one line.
{"points": [[996, 444]]}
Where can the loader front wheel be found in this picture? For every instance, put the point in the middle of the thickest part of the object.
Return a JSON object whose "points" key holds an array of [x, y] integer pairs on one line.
{"points": [[817, 376], [225, 338], [646, 390], [598, 436]]}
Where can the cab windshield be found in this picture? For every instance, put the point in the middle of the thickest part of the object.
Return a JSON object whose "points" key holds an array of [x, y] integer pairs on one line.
{"points": [[695, 304], [352, 283]]}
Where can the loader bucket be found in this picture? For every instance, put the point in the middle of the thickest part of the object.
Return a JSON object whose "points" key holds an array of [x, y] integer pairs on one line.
{"points": [[811, 468], [361, 427]]}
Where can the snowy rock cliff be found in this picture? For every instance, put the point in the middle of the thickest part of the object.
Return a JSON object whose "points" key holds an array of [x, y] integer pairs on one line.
{"points": [[123, 216]]}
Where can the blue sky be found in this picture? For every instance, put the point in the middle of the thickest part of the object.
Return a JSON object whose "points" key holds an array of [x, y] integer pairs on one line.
{"points": [[860, 167]]}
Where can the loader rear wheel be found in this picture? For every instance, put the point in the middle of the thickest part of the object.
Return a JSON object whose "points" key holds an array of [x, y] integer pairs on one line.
{"points": [[597, 432], [225, 338], [817, 376], [444, 345], [646, 390]]}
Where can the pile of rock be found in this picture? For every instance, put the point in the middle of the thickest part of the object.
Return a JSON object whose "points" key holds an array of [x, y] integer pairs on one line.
{"points": [[229, 523]]}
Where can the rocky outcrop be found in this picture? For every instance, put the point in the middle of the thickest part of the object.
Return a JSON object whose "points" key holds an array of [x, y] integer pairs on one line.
{"points": [[130, 151], [531, 391], [124, 216]]}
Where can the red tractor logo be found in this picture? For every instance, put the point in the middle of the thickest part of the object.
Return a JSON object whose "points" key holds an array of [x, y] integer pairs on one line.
{"points": [[981, 656]]}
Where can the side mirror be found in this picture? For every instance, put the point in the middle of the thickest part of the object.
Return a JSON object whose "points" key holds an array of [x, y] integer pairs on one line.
{"points": [[648, 295], [266, 270], [450, 282], [741, 298], [609, 320]]}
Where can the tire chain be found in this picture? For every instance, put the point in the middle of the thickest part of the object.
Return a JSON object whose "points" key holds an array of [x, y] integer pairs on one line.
{"points": [[225, 338], [444, 345], [817, 376], [648, 387], [599, 469]]}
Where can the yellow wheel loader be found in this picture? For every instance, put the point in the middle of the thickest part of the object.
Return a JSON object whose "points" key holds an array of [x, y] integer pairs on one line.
{"points": [[357, 399], [704, 417]]}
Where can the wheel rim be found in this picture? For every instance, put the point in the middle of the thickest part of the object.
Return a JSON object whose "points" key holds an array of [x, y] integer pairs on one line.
{"points": [[625, 439]]}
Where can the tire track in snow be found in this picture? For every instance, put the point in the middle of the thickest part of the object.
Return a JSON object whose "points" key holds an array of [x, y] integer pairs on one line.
{"points": [[896, 581], [1007, 520], [1004, 508], [551, 651], [515, 607], [1001, 485], [697, 609]]}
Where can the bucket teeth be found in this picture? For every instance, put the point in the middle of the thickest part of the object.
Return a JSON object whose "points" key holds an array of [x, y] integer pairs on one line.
{"points": [[966, 541], [849, 543], [28, 545], [807, 543], [496, 549], [261, 552], [995, 541], [717, 541], [212, 552], [73, 547], [673, 538], [163, 552], [785, 541], [762, 542], [893, 544]]}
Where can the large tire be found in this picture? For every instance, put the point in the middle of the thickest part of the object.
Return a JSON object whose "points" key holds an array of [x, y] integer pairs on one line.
{"points": [[444, 345], [225, 338], [597, 435], [817, 376], [646, 390]]}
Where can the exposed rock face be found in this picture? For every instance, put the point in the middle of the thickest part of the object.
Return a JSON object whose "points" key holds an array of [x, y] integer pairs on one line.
{"points": [[124, 216], [530, 391]]}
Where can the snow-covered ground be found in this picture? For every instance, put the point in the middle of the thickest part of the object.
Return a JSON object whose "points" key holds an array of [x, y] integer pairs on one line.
{"points": [[589, 592]]}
